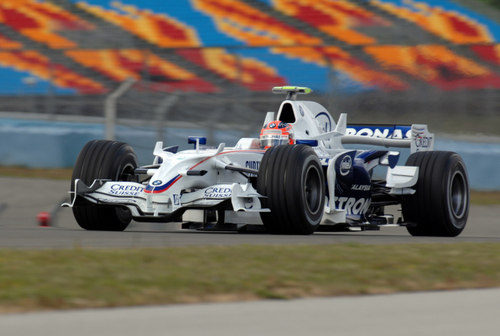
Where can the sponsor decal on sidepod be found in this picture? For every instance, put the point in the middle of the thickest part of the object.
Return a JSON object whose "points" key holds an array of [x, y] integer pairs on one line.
{"points": [[352, 205], [252, 164]]}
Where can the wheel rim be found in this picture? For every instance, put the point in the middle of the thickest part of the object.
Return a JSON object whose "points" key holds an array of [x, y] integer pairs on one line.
{"points": [[312, 189], [127, 171], [458, 194]]}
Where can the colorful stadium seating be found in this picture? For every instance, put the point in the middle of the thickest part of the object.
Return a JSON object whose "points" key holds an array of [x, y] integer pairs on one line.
{"points": [[336, 18], [449, 25], [42, 67], [254, 44], [489, 53], [122, 64], [158, 29], [249, 72], [40, 21], [251, 25], [339, 59], [166, 31], [245, 23], [436, 65], [8, 44]]}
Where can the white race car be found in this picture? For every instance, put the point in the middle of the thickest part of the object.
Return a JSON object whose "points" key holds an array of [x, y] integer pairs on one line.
{"points": [[297, 178]]}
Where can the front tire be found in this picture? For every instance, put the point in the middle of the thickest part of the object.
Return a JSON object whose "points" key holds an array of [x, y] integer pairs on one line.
{"points": [[103, 159], [291, 178], [440, 205]]}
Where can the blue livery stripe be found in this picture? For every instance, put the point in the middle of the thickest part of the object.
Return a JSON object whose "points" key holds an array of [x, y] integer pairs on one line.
{"points": [[163, 187]]}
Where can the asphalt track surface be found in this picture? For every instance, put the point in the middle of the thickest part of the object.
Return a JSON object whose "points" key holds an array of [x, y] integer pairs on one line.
{"points": [[457, 313], [437, 313], [22, 199]]}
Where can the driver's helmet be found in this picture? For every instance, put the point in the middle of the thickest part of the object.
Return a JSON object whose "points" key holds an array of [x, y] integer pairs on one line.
{"points": [[276, 133]]}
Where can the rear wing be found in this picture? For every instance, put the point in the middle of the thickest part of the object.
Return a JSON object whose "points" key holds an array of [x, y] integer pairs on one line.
{"points": [[416, 137], [291, 91]]}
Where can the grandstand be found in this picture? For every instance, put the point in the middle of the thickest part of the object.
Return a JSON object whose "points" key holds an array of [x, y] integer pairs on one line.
{"points": [[63, 57]]}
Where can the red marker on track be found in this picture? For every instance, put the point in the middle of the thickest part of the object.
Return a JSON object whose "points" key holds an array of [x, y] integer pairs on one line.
{"points": [[43, 219]]}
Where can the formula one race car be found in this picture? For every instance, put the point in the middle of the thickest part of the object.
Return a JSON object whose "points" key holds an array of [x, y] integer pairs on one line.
{"points": [[297, 178]]}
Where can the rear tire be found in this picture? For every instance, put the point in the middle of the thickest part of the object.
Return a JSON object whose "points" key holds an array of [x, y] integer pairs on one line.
{"points": [[440, 205], [291, 178], [103, 159]]}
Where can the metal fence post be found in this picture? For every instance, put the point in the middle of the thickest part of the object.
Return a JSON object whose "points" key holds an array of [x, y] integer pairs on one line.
{"points": [[110, 107]]}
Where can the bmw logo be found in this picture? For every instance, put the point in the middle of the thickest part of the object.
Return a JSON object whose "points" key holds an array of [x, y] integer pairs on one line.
{"points": [[156, 183], [345, 165]]}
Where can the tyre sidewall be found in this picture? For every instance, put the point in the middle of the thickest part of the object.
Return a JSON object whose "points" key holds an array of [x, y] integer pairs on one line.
{"points": [[310, 162], [455, 224], [282, 178], [429, 211], [102, 159]]}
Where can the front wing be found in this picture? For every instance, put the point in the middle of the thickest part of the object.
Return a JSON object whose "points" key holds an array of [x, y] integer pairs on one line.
{"points": [[242, 197]]}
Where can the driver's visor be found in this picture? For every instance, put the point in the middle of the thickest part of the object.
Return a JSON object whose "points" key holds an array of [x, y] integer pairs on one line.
{"points": [[273, 142], [273, 138]]}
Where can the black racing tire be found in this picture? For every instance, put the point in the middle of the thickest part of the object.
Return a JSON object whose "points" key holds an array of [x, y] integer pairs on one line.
{"points": [[292, 181], [103, 159], [440, 205]]}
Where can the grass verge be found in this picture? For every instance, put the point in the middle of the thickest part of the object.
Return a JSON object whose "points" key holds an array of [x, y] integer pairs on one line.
{"points": [[59, 279], [42, 173], [485, 197]]}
